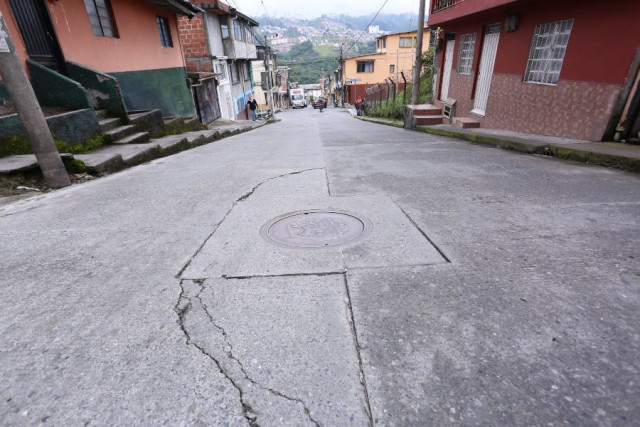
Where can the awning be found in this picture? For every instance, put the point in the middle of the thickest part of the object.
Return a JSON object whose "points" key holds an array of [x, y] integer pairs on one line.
{"points": [[181, 7]]}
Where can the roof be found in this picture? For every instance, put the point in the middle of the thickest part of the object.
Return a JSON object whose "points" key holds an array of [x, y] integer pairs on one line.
{"points": [[403, 32], [365, 54], [181, 7], [221, 8]]}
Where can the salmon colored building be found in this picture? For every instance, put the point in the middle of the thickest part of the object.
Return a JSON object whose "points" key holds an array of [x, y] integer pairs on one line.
{"points": [[395, 54], [132, 43], [562, 68]]}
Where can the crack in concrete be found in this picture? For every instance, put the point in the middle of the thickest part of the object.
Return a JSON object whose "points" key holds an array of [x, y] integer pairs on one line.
{"points": [[248, 412], [356, 341], [250, 415], [442, 254], [245, 196], [262, 276], [233, 205]]}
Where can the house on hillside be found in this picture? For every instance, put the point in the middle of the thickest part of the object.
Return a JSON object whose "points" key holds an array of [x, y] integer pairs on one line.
{"points": [[568, 69], [395, 53], [118, 55], [219, 46]]}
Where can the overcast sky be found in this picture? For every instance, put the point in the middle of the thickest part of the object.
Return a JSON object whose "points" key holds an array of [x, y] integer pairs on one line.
{"points": [[312, 8]]}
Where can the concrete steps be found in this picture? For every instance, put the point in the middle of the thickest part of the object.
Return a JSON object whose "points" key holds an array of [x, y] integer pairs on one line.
{"points": [[426, 110], [465, 123], [109, 123], [135, 138], [428, 120]]}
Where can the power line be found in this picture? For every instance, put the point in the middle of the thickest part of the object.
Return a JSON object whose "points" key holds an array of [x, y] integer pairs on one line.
{"points": [[266, 13], [363, 31]]}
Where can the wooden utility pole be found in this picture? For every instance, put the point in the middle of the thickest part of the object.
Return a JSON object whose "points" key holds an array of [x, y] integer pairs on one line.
{"points": [[418, 63], [29, 112]]}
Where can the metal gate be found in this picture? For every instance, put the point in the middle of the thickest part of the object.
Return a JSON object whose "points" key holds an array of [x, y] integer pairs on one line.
{"points": [[37, 32], [485, 72], [206, 95], [448, 63]]}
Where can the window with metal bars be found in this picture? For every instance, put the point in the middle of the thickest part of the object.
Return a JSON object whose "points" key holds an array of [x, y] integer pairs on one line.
{"points": [[465, 53], [548, 47], [164, 31], [101, 18]]}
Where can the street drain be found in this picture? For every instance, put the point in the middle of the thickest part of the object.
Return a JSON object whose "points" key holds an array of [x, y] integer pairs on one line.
{"points": [[315, 229]]}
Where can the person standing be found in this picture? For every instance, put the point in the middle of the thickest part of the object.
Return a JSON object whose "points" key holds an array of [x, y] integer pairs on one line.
{"points": [[253, 105], [363, 105], [358, 103]]}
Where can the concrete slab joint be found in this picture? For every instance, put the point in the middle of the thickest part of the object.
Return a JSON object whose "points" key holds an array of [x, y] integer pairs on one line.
{"points": [[213, 281]]}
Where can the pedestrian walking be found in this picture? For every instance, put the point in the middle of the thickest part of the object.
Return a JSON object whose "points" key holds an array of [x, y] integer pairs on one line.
{"points": [[358, 102], [253, 105], [363, 105]]}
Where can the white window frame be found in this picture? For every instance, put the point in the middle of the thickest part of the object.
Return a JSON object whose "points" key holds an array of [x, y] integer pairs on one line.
{"points": [[546, 55], [466, 52]]}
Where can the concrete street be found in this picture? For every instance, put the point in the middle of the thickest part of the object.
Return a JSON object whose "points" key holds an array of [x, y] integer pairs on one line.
{"points": [[490, 287]]}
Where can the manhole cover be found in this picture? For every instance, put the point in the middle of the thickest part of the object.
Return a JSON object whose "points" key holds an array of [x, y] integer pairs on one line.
{"points": [[315, 229]]}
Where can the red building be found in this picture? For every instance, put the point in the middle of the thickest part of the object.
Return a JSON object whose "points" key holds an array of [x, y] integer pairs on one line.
{"points": [[563, 68]]}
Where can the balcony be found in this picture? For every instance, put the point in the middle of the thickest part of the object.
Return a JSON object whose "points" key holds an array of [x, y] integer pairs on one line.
{"points": [[445, 11], [439, 5]]}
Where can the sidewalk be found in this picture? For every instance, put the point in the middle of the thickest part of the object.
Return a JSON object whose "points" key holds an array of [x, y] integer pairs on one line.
{"points": [[609, 154], [114, 157]]}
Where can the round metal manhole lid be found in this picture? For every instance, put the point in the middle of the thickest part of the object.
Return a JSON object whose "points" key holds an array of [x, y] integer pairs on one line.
{"points": [[315, 229]]}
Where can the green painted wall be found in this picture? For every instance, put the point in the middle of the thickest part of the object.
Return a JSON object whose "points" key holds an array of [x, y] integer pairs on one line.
{"points": [[55, 90], [104, 89], [164, 89]]}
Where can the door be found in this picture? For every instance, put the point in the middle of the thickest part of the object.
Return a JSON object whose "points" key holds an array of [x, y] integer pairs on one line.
{"points": [[448, 63], [207, 101], [37, 32], [485, 72]]}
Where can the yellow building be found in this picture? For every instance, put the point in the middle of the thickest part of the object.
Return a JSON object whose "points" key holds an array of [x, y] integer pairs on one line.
{"points": [[395, 53]]}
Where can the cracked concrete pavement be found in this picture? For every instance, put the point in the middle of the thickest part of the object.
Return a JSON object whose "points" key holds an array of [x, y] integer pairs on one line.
{"points": [[493, 288]]}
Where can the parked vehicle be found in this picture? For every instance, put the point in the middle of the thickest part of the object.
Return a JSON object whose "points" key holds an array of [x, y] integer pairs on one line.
{"points": [[320, 101], [296, 96]]}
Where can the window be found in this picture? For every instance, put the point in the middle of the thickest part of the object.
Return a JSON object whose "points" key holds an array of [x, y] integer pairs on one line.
{"points": [[235, 75], [238, 31], [392, 68], [406, 41], [101, 18], [165, 32], [465, 54], [221, 71], [546, 55], [365, 66], [224, 28], [245, 70]]}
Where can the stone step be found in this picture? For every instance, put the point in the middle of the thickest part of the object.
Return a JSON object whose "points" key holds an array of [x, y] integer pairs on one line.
{"points": [[465, 122], [120, 132], [102, 114], [425, 110], [136, 138], [109, 123], [428, 120], [147, 121]]}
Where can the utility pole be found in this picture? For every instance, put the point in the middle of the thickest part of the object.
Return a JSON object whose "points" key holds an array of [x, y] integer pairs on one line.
{"points": [[29, 112], [341, 77], [269, 82], [418, 64]]}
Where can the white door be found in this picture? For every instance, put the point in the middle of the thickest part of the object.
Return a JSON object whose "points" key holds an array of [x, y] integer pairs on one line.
{"points": [[448, 63], [485, 72]]}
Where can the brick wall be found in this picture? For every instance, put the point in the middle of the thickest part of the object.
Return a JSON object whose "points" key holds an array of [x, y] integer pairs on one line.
{"points": [[193, 38], [570, 109]]}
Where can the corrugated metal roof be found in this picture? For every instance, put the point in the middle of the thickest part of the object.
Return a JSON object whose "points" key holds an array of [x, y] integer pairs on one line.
{"points": [[181, 7]]}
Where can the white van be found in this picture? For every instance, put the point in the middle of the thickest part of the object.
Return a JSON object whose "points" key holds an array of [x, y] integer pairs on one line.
{"points": [[297, 98]]}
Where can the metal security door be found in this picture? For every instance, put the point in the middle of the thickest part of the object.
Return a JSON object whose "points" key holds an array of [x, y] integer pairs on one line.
{"points": [[448, 63], [485, 72], [37, 32]]}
